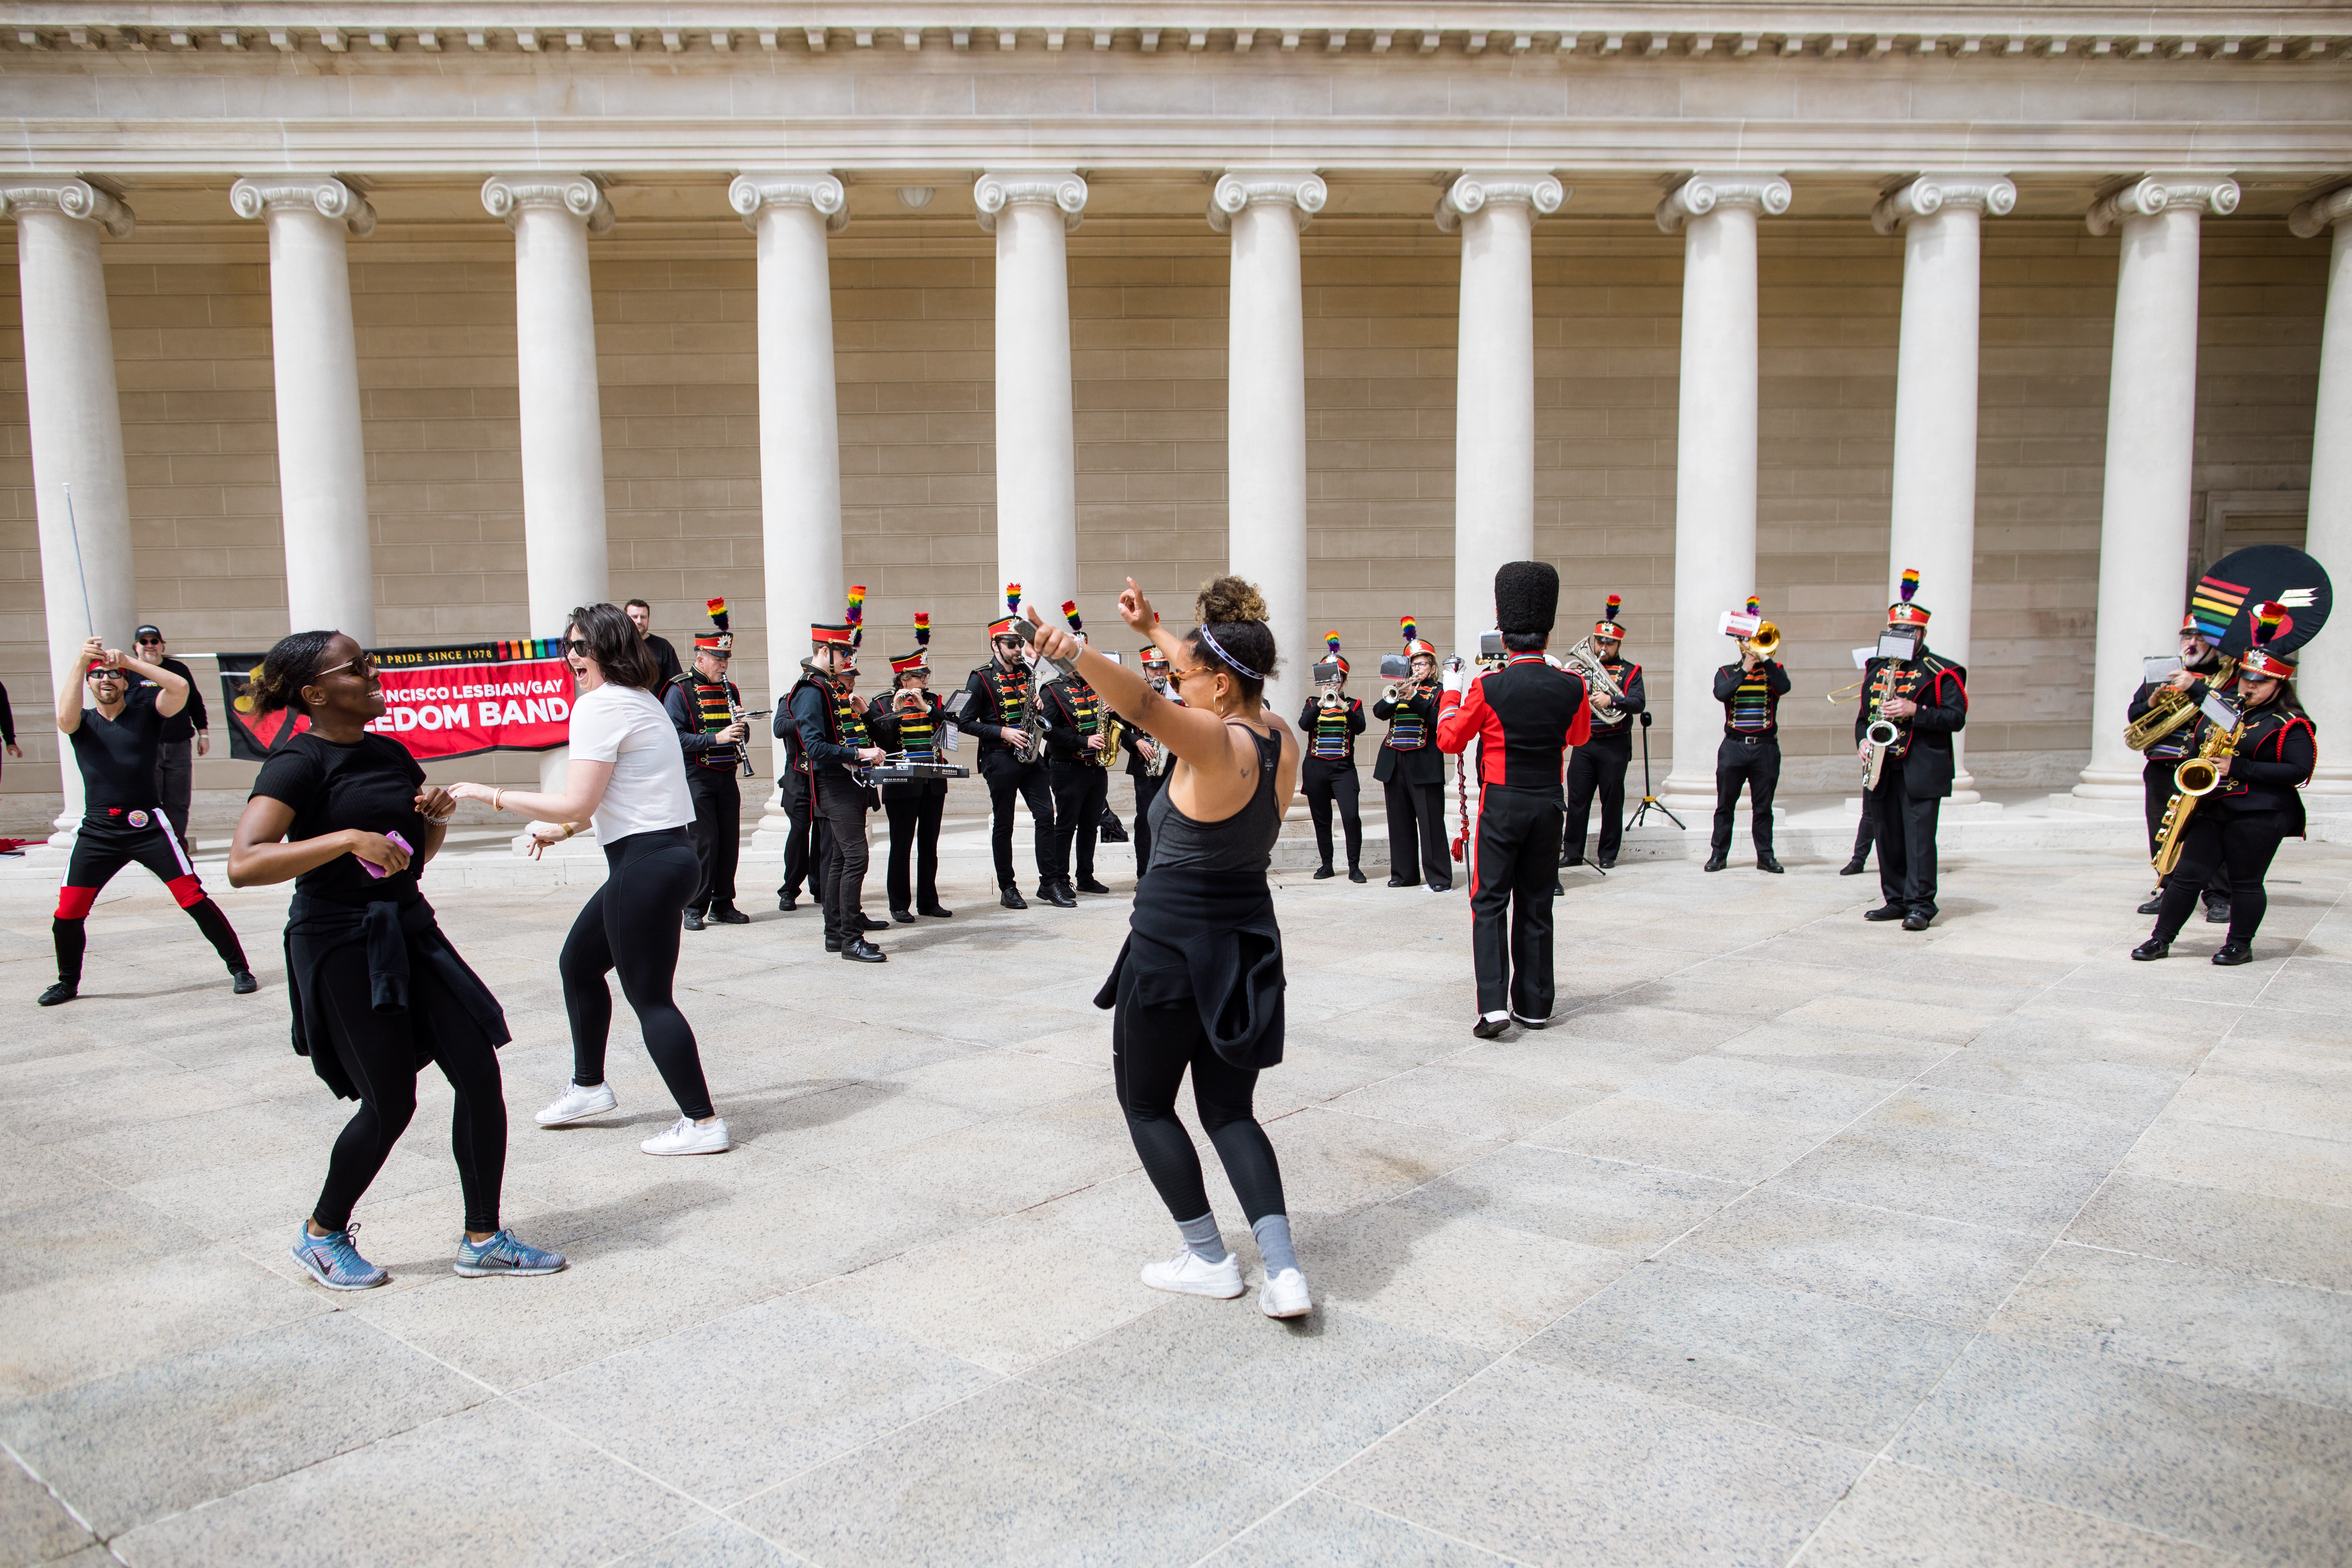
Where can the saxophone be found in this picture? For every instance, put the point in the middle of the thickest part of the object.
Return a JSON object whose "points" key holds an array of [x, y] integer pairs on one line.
{"points": [[2194, 779], [1879, 736], [1602, 685], [1111, 724]]}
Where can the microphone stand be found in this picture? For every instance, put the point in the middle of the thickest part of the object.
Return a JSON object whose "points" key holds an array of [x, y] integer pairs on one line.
{"points": [[1649, 801]]}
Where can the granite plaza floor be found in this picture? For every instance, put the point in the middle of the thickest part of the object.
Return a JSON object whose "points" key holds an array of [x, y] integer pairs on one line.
{"points": [[1797, 1240]]}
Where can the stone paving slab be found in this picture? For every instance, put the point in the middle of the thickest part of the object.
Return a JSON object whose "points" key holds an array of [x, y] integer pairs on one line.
{"points": [[1797, 1241]]}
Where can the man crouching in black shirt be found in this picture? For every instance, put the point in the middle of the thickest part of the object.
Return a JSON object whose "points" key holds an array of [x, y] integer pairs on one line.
{"points": [[115, 743]]}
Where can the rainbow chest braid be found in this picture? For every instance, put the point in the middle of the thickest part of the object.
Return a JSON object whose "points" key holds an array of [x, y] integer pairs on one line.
{"points": [[919, 735], [1331, 738], [717, 711], [1085, 712], [848, 720], [1751, 704], [1406, 731], [1011, 689]]}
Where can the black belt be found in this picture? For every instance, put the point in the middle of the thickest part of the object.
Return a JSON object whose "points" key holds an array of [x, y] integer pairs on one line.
{"points": [[1749, 740]]}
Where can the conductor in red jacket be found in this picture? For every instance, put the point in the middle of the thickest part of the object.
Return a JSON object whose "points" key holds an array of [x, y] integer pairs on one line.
{"points": [[1524, 716]]}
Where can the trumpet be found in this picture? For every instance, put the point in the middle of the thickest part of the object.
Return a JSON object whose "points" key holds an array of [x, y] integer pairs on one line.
{"points": [[1403, 691], [1330, 700]]}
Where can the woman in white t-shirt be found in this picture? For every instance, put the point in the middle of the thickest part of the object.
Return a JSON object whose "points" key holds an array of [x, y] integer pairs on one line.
{"points": [[626, 777]]}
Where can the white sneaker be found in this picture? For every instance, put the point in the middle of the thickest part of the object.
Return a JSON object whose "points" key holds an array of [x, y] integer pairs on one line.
{"points": [[577, 1104], [685, 1137], [1187, 1275], [1284, 1295]]}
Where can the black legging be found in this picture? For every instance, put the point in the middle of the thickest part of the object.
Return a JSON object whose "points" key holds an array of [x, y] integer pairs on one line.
{"points": [[1322, 784], [379, 1050], [914, 834], [2245, 842], [631, 923], [1151, 1048]]}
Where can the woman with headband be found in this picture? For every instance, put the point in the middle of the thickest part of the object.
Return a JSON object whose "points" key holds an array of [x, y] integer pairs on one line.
{"points": [[1198, 985]]}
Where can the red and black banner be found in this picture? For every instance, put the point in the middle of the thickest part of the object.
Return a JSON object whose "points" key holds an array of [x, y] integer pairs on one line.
{"points": [[439, 702]]}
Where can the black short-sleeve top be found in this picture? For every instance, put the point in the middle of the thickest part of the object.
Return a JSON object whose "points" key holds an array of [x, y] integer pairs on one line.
{"points": [[370, 785], [118, 755]]}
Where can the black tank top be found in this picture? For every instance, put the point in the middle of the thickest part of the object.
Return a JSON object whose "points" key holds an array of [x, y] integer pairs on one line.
{"points": [[1242, 842]]}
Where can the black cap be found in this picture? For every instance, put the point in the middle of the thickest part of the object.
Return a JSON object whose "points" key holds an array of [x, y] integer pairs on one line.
{"points": [[155, 632]]}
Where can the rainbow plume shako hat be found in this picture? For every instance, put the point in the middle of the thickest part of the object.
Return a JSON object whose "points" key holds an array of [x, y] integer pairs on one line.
{"points": [[1609, 626], [921, 658], [1903, 612], [1410, 630], [2259, 662], [1150, 655], [1070, 614], [1331, 641], [718, 639], [1003, 625]]}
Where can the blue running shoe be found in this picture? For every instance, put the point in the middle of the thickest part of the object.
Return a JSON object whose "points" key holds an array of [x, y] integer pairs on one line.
{"points": [[333, 1261], [502, 1254]]}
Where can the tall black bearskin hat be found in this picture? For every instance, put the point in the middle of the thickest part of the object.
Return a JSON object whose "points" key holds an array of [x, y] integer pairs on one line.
{"points": [[1527, 596]]}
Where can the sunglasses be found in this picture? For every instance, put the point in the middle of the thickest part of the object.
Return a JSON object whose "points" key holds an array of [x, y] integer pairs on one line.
{"points": [[577, 648], [361, 665]]}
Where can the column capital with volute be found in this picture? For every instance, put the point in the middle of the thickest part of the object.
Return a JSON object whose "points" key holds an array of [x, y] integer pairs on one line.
{"points": [[820, 190], [256, 196], [581, 196], [1302, 189], [2146, 195], [1474, 190], [1058, 189], [1701, 193], [68, 196], [2315, 217], [1924, 195]]}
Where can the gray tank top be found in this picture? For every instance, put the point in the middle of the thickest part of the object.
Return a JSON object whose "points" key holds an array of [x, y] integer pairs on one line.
{"points": [[1242, 842]]}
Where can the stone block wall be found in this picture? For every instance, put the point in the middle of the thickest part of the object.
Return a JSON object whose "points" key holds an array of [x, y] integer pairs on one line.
{"points": [[914, 334]]}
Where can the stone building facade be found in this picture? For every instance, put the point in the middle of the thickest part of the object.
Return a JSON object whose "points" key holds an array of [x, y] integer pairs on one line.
{"points": [[429, 329]]}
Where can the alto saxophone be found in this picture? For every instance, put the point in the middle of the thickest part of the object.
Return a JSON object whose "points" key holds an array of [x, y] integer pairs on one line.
{"points": [[2194, 779], [1878, 737]]}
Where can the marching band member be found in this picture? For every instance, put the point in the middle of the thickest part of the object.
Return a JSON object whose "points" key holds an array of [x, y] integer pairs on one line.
{"points": [[1329, 723], [1078, 766], [2256, 803], [910, 719], [1599, 763], [2201, 670], [832, 744], [1523, 715], [1927, 698], [703, 704], [996, 713], [802, 855], [1751, 691], [1411, 774], [1147, 759]]}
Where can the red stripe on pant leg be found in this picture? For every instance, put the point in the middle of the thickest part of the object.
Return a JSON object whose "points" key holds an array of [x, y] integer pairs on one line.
{"points": [[187, 889], [73, 903]]}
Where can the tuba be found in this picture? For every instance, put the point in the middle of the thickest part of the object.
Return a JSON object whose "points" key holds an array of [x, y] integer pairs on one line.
{"points": [[1602, 685]]}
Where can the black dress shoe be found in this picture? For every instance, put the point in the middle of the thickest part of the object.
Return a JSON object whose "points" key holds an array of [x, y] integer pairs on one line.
{"points": [[2217, 914], [1915, 922], [1355, 874], [1088, 885], [1855, 868], [61, 992], [693, 921], [904, 917], [1766, 863], [1886, 912], [1060, 896], [934, 911], [729, 915], [1402, 883], [1323, 873], [1607, 862], [2155, 902], [1441, 886], [1714, 863], [2153, 949], [867, 922], [1488, 1028], [242, 983], [1012, 899], [788, 903], [2234, 952], [832, 944], [860, 950]]}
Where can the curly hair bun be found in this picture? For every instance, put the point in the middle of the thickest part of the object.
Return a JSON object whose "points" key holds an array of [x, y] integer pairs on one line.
{"points": [[1227, 600]]}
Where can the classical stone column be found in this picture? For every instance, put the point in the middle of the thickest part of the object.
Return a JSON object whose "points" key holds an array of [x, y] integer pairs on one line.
{"points": [[87, 582], [2151, 435], [564, 552], [791, 211], [321, 465], [1935, 474], [1715, 462], [1494, 379], [1031, 213], [2326, 662], [1266, 418]]}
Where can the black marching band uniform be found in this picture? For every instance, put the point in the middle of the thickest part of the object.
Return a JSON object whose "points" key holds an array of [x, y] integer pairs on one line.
{"points": [[996, 713], [2249, 812], [914, 807], [2165, 754], [1598, 766], [1523, 716], [1411, 775], [1080, 775], [1147, 760], [802, 852], [1751, 752], [1919, 770], [831, 731], [1329, 723], [700, 708]]}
